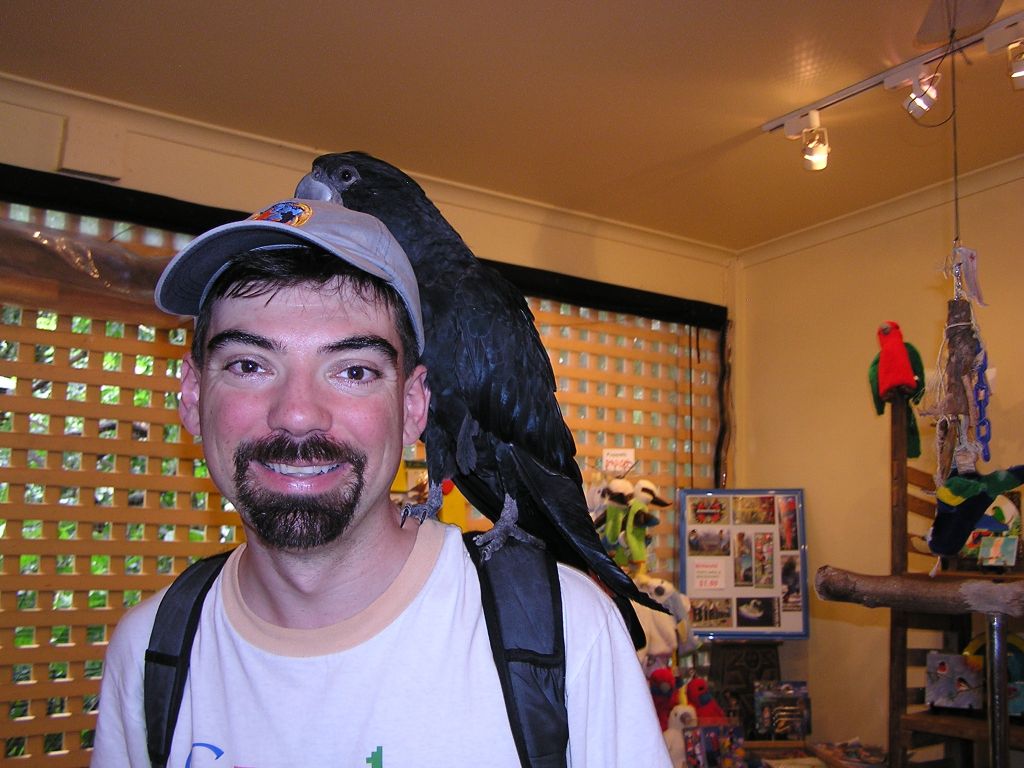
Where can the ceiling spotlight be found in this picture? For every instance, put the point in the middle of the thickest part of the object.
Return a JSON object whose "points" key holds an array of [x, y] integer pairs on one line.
{"points": [[922, 87], [816, 149], [998, 37], [1011, 37], [814, 138], [922, 95], [1016, 54]]}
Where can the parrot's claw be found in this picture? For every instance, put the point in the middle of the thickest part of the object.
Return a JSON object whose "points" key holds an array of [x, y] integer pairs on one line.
{"points": [[428, 508], [506, 527]]}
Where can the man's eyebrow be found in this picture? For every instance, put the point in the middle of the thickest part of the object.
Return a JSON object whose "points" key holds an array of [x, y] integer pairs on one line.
{"points": [[370, 342], [240, 337]]}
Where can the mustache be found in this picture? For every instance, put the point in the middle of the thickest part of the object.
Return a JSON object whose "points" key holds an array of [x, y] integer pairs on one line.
{"points": [[283, 449]]}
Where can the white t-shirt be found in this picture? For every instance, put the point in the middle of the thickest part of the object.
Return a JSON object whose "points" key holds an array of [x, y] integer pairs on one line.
{"points": [[407, 683]]}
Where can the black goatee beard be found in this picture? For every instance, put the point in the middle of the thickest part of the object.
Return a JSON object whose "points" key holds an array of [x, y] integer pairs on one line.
{"points": [[298, 521]]}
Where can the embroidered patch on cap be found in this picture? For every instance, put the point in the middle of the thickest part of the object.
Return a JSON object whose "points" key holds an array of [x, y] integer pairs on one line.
{"points": [[289, 212]]}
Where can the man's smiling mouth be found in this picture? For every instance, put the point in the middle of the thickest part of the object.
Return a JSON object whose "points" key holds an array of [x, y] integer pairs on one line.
{"points": [[292, 470]]}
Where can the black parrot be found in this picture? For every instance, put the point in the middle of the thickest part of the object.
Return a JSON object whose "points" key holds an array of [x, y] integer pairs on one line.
{"points": [[494, 426]]}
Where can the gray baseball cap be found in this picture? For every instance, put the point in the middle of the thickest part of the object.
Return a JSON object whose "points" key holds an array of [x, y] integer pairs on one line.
{"points": [[357, 238]]}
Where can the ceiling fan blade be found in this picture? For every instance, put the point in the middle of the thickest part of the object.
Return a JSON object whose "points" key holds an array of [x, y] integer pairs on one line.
{"points": [[969, 16]]}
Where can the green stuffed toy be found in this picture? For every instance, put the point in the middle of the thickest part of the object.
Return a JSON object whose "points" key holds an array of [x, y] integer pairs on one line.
{"points": [[638, 519]]}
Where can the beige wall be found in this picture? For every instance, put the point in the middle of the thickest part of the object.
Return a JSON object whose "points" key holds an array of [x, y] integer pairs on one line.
{"points": [[805, 310], [807, 313]]}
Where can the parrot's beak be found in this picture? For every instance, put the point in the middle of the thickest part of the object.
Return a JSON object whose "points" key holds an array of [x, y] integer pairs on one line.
{"points": [[311, 189]]}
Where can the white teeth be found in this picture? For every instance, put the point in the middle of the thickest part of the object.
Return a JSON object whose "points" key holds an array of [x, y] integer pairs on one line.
{"points": [[303, 471]]}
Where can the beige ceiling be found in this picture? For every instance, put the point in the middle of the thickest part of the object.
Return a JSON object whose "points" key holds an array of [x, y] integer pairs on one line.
{"points": [[647, 112]]}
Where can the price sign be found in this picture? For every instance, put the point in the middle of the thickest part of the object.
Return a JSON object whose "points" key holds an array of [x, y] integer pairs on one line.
{"points": [[617, 461]]}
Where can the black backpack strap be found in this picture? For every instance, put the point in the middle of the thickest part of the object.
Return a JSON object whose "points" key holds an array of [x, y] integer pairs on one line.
{"points": [[522, 604], [170, 648]]}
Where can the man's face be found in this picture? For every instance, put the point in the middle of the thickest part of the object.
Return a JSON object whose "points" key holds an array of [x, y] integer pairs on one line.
{"points": [[303, 411]]}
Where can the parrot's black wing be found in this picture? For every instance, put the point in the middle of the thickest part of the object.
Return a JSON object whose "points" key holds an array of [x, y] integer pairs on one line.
{"points": [[494, 426], [521, 443], [490, 374]]}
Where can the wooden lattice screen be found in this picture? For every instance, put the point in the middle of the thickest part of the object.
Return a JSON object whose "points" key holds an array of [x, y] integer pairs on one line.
{"points": [[626, 381], [104, 498]]}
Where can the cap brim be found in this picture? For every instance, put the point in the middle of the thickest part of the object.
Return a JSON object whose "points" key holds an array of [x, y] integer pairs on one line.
{"points": [[356, 238], [188, 276]]}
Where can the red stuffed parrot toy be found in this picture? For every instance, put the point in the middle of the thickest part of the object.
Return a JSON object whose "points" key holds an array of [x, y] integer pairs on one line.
{"points": [[709, 712], [665, 692], [897, 370]]}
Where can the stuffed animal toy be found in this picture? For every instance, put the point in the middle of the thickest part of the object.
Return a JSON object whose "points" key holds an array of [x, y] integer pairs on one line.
{"points": [[610, 522], [699, 696], [665, 693], [649, 492], [897, 370], [638, 520], [682, 716], [662, 639], [666, 593], [960, 506], [594, 489]]}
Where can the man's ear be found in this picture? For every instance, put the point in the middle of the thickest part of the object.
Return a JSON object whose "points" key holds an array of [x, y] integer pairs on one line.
{"points": [[417, 401], [188, 403]]}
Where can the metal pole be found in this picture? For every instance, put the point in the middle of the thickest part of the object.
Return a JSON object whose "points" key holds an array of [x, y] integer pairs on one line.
{"points": [[998, 706]]}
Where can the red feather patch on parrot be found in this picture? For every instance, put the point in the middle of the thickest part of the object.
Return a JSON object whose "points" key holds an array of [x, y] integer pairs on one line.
{"points": [[895, 374]]}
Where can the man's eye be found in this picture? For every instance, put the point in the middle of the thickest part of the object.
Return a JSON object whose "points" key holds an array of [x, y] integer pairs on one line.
{"points": [[358, 373], [244, 367]]}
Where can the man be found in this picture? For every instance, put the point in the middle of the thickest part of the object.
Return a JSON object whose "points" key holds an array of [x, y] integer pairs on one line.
{"points": [[336, 635]]}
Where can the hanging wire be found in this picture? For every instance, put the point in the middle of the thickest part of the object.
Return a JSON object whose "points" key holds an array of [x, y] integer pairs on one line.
{"points": [[952, 56], [958, 280], [956, 152], [950, 52], [957, 268]]}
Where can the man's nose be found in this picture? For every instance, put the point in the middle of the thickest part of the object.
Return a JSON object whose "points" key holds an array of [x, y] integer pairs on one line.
{"points": [[299, 407]]}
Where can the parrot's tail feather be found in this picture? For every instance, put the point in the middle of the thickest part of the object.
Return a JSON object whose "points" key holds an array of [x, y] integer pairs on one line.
{"points": [[565, 505]]}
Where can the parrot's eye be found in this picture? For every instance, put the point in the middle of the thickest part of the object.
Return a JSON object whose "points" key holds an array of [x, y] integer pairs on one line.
{"points": [[347, 175]]}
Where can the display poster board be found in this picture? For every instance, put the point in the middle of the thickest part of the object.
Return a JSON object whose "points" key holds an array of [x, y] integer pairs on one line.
{"points": [[743, 562]]}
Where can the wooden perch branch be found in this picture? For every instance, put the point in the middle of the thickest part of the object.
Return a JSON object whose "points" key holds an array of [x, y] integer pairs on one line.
{"points": [[920, 593]]}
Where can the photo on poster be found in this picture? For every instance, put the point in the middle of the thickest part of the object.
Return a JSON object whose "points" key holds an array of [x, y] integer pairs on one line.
{"points": [[753, 510], [764, 560], [743, 560], [792, 599], [711, 612], [789, 528], [739, 561], [996, 550], [757, 612], [712, 542], [707, 509]]}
